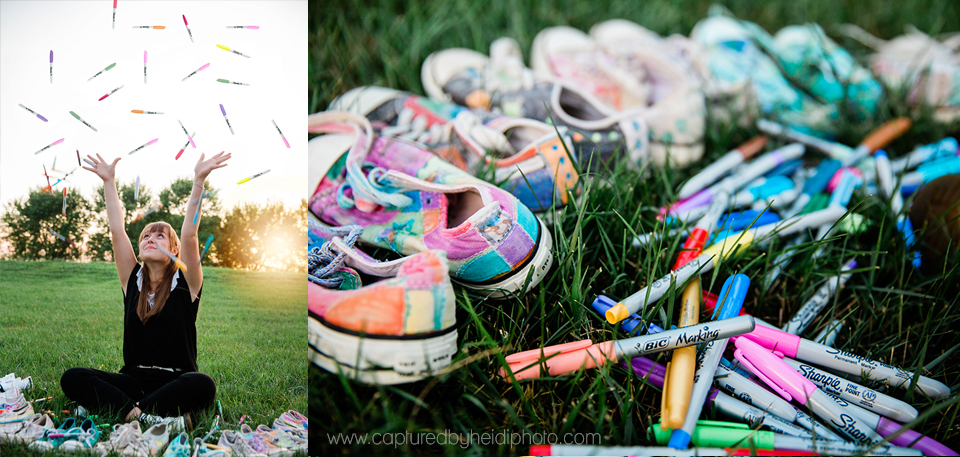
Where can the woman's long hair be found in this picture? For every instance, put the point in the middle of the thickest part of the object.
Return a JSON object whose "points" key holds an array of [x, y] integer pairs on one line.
{"points": [[162, 290]]}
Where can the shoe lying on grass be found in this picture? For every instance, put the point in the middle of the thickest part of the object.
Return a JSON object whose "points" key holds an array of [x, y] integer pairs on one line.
{"points": [[237, 444], [19, 412], [409, 200], [123, 439], [287, 438], [27, 431], [10, 381], [396, 330], [527, 156]]}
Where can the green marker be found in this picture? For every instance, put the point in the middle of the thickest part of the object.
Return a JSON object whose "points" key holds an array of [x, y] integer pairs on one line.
{"points": [[81, 120], [232, 82], [101, 71]]}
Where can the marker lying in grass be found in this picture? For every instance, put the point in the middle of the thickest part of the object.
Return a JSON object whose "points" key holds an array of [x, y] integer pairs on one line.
{"points": [[175, 260], [144, 66], [243, 27], [252, 177], [136, 191], [47, 146], [195, 72], [81, 120], [101, 71], [34, 112], [62, 238], [188, 27], [232, 50], [809, 311], [51, 66], [64, 210], [114, 23], [281, 133], [185, 146], [150, 27], [145, 145], [111, 93], [187, 134], [140, 111], [225, 118], [231, 82], [209, 240]]}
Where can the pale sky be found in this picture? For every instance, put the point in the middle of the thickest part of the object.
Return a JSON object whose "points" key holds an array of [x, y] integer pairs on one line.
{"points": [[80, 35]]}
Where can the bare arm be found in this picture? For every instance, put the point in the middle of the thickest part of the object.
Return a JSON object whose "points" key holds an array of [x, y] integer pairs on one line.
{"points": [[189, 242], [123, 253]]}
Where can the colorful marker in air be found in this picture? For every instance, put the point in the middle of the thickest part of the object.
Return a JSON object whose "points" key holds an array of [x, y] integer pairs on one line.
{"points": [[185, 146], [145, 145], [91, 163], [64, 210], [62, 238], [54, 166], [281, 133], [188, 27], [232, 50], [196, 215], [149, 211], [114, 25], [78, 159], [136, 191], [81, 120], [209, 240], [144, 66], [195, 72], [140, 111], [101, 71], [158, 27], [225, 118], [174, 258], [49, 145], [111, 93], [254, 27], [47, 176], [34, 112], [51, 66], [231, 82], [185, 132], [252, 177]]}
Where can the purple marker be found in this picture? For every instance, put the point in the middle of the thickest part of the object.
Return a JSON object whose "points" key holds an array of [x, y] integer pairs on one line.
{"points": [[34, 112], [51, 66], [225, 118]]}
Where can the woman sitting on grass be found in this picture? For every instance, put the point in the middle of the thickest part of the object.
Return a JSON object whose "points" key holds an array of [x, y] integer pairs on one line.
{"points": [[160, 303]]}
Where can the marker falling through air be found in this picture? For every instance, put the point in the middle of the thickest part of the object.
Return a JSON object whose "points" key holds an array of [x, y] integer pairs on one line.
{"points": [[78, 159], [34, 112], [145, 145], [51, 66], [101, 71], [209, 240], [175, 260], [136, 191], [231, 82], [114, 25], [49, 145], [281, 133], [184, 148], [140, 111], [62, 238], [64, 210], [232, 50], [254, 27], [188, 27], [187, 134], [81, 120], [195, 72], [144, 66], [48, 178], [158, 27], [252, 177], [225, 118], [199, 204], [111, 93]]}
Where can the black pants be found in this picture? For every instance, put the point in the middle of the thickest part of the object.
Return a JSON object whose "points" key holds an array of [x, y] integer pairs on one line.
{"points": [[158, 392]]}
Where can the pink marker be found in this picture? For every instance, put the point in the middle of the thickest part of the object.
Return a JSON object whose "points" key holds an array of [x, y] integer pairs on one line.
{"points": [[254, 27], [281, 133], [195, 72], [114, 26], [839, 175], [64, 210], [188, 27], [51, 66], [148, 144], [111, 93], [144, 67], [51, 144]]}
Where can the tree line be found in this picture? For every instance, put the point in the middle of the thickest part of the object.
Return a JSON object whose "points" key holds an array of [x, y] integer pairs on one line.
{"points": [[270, 236]]}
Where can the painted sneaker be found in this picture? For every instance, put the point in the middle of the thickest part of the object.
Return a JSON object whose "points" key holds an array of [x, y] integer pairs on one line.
{"points": [[237, 445], [29, 430], [80, 438], [179, 447], [53, 438], [17, 413], [282, 438], [10, 381], [400, 329], [295, 419], [150, 442], [123, 439], [209, 450], [527, 156], [600, 133], [669, 98], [409, 200], [262, 445]]}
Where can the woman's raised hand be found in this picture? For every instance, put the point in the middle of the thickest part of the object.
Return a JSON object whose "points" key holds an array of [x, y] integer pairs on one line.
{"points": [[105, 171], [203, 168]]}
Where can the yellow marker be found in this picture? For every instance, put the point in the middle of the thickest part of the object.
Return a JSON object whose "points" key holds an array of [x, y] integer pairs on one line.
{"points": [[678, 380], [174, 258], [232, 50], [251, 177]]}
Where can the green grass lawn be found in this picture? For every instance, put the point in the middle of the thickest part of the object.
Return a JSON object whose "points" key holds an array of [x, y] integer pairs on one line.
{"points": [[250, 335], [892, 313]]}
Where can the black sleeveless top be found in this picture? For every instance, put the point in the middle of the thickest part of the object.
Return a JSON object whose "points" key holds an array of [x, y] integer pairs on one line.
{"points": [[168, 339]]}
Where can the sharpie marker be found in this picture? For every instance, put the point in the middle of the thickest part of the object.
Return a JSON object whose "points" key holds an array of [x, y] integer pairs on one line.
{"points": [[928, 172], [111, 93], [158, 27], [758, 189], [101, 71], [845, 362], [114, 22], [719, 433], [570, 357], [232, 50], [140, 111], [252, 177], [885, 428], [145, 145], [888, 190], [61, 238], [188, 27], [196, 215], [64, 210], [51, 66], [175, 260], [187, 134], [231, 82], [144, 67], [81, 120], [285, 142], [49, 145], [225, 118], [243, 27], [207, 246], [829, 333], [880, 137], [195, 72], [136, 191], [78, 159], [944, 148], [45, 119], [185, 146], [835, 151], [809, 311], [727, 162], [816, 183]]}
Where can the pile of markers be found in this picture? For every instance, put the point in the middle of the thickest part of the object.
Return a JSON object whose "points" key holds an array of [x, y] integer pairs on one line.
{"points": [[785, 394]]}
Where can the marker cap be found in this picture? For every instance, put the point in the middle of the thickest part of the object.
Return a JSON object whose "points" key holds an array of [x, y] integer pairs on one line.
{"points": [[110, 66], [771, 338], [886, 133], [774, 371]]}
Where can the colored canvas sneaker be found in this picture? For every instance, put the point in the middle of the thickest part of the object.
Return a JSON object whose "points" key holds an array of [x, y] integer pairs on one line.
{"points": [[179, 447], [123, 439], [209, 450], [666, 96], [28, 430], [409, 200], [237, 445], [11, 381], [262, 445], [54, 437], [150, 442], [282, 438], [80, 438], [527, 156], [400, 329], [501, 83], [295, 419], [176, 423], [17, 413]]}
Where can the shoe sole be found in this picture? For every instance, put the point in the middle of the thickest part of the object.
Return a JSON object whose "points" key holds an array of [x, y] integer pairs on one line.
{"points": [[536, 268], [382, 360]]}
